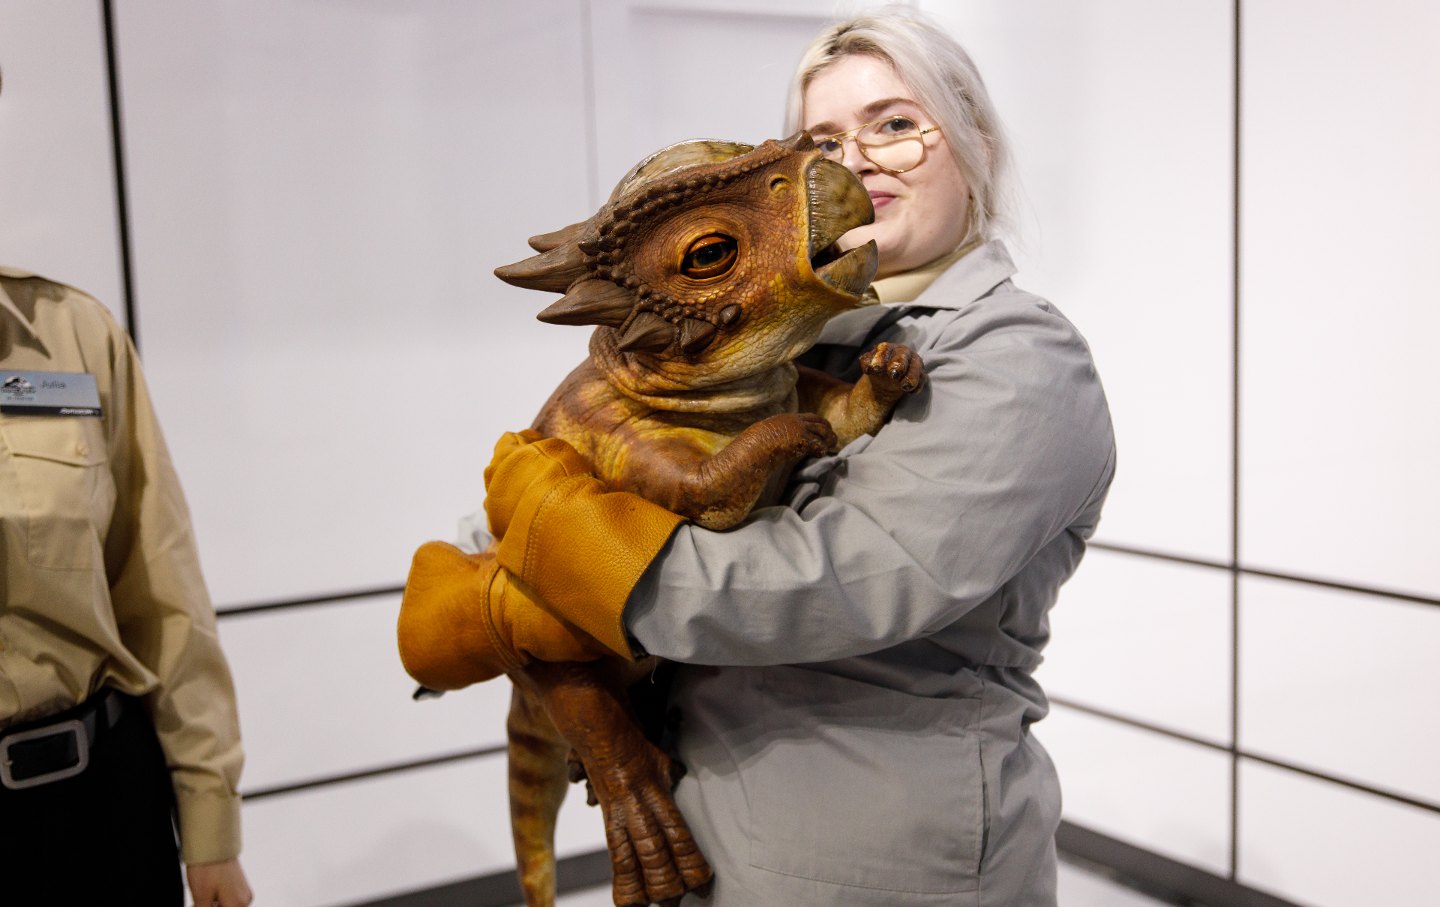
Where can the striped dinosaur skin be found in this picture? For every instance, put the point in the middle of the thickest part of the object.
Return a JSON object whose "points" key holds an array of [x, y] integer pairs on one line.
{"points": [[710, 268]]}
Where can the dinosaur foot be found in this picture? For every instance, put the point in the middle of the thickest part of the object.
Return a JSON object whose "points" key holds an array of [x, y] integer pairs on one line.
{"points": [[654, 858], [895, 369]]}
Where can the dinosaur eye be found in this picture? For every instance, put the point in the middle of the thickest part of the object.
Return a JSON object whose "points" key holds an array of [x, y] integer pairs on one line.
{"points": [[709, 256]]}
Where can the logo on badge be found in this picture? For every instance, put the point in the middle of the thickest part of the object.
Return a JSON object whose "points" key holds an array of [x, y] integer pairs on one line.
{"points": [[17, 386]]}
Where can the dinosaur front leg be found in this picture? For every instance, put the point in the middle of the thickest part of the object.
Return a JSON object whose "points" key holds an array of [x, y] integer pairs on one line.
{"points": [[653, 856], [717, 490], [888, 372]]}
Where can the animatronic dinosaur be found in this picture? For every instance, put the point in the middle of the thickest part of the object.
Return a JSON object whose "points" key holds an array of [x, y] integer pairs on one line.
{"points": [[709, 269]]}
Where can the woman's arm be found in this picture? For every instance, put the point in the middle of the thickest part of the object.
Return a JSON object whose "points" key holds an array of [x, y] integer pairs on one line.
{"points": [[1003, 452], [165, 617]]}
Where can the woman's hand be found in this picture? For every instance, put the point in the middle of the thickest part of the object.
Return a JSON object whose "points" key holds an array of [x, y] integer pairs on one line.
{"points": [[219, 884]]}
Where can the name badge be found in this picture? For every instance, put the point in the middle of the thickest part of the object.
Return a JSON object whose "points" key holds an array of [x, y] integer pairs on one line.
{"points": [[49, 394]]}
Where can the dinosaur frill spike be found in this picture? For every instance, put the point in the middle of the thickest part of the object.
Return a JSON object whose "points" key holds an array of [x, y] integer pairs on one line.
{"points": [[648, 333], [544, 242], [554, 271], [591, 302]]}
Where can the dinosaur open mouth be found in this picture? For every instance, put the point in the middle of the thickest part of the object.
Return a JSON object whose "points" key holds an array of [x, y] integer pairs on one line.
{"points": [[849, 271], [839, 204]]}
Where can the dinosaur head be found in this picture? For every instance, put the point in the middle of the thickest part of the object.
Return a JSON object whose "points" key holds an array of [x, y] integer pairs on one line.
{"points": [[711, 258]]}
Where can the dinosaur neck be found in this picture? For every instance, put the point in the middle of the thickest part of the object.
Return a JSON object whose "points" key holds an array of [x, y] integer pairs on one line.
{"points": [[674, 386]]}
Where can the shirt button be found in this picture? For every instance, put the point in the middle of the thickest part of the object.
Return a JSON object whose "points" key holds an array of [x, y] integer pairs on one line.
{"points": [[81, 448]]}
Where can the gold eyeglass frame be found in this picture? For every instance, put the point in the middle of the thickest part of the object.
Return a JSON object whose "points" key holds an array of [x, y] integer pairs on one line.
{"points": [[850, 134]]}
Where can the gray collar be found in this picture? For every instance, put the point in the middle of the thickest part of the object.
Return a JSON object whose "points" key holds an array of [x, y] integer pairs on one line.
{"points": [[967, 280]]}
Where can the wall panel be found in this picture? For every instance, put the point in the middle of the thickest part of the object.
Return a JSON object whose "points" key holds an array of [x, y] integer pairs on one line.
{"points": [[320, 193], [1341, 219], [1335, 682], [322, 693], [1119, 113], [1323, 845], [57, 178], [359, 841], [1146, 639], [1164, 795], [726, 69]]}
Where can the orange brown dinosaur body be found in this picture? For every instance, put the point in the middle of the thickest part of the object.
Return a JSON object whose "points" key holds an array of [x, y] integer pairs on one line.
{"points": [[709, 270]]}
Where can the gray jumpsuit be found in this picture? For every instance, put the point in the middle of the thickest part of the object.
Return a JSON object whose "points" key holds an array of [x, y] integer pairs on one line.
{"points": [[866, 736]]}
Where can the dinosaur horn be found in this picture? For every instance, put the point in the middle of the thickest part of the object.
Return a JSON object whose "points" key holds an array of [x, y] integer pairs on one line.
{"points": [[695, 335], [800, 141], [591, 302], [544, 242], [555, 270], [647, 333]]}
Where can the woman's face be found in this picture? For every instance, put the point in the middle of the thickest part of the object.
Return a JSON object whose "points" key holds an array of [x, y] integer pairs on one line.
{"points": [[920, 214]]}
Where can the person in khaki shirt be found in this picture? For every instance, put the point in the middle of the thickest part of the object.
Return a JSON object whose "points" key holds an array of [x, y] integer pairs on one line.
{"points": [[117, 708]]}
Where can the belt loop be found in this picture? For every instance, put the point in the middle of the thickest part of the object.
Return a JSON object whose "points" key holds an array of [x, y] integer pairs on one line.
{"points": [[112, 707]]}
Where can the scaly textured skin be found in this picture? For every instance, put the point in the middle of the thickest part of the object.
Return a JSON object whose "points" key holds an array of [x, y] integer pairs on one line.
{"points": [[707, 272]]}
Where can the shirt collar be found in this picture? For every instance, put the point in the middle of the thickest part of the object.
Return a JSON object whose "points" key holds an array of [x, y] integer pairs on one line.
{"points": [[969, 275], [8, 306], [952, 281], [904, 287]]}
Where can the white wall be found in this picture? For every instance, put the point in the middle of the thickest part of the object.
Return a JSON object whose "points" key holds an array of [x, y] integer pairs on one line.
{"points": [[1265, 722], [57, 184], [317, 196]]}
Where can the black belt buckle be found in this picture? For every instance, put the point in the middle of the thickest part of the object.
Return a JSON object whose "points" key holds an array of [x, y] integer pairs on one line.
{"points": [[70, 738]]}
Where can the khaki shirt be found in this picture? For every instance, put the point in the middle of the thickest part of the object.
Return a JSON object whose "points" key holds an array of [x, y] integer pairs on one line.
{"points": [[101, 582]]}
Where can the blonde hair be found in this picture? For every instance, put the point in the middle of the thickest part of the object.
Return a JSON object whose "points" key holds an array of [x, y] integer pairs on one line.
{"points": [[946, 84]]}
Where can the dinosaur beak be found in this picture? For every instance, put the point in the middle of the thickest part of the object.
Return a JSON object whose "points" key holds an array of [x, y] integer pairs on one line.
{"points": [[839, 204], [852, 272]]}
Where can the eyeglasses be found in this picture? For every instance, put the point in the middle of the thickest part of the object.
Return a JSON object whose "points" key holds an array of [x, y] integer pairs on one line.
{"points": [[895, 144]]}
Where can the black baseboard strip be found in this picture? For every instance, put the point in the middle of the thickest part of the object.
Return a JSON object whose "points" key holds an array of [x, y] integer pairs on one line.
{"points": [[502, 889], [1162, 878]]}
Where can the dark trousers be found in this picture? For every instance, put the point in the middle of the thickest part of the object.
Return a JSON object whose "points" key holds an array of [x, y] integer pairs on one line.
{"points": [[105, 836]]}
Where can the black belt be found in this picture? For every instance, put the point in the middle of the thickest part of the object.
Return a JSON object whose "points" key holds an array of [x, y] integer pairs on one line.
{"points": [[59, 746]]}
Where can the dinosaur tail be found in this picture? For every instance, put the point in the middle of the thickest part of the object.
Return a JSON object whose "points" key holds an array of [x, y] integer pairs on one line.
{"points": [[538, 778]]}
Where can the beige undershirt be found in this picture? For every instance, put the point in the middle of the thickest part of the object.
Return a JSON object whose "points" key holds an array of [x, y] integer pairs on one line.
{"points": [[908, 285]]}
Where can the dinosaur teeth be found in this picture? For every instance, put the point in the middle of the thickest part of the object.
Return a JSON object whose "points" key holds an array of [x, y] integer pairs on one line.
{"points": [[648, 333]]}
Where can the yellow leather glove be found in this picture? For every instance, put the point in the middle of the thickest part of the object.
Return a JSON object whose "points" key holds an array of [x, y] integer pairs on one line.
{"points": [[578, 547], [464, 619]]}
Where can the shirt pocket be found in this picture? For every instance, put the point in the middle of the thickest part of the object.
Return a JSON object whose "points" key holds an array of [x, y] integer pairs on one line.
{"points": [[866, 787], [66, 490]]}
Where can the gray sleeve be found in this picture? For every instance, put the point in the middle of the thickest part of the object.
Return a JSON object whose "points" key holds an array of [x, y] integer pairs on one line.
{"points": [[1008, 446], [473, 533]]}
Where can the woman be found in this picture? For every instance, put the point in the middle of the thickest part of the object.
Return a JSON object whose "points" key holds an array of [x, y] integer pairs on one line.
{"points": [[856, 684], [117, 710]]}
